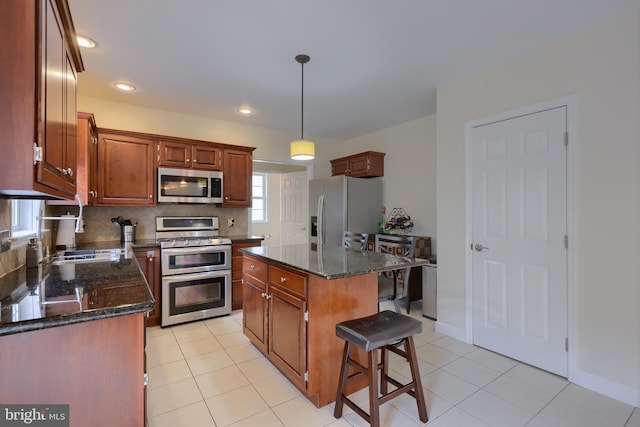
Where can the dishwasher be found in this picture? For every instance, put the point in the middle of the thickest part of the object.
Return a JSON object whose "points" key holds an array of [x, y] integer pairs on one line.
{"points": [[430, 290]]}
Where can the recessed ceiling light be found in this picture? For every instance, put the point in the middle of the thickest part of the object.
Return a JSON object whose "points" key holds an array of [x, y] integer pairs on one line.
{"points": [[125, 87], [84, 41], [245, 111]]}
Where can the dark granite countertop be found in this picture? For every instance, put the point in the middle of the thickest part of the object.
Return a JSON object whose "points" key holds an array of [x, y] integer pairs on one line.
{"points": [[332, 262], [55, 295], [239, 238]]}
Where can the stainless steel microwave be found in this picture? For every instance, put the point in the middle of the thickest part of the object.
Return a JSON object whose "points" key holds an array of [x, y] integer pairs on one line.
{"points": [[189, 186]]}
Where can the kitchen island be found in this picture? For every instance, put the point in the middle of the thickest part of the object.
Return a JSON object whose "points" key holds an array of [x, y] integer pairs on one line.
{"points": [[294, 295], [73, 333]]}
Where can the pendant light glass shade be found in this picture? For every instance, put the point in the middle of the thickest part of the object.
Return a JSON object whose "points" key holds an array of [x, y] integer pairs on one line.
{"points": [[302, 149]]}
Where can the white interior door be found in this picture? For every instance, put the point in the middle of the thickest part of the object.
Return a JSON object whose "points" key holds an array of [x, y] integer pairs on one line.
{"points": [[519, 224], [293, 209]]}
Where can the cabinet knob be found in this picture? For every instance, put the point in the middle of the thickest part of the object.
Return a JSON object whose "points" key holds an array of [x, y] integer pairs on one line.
{"points": [[67, 171], [151, 196], [283, 279], [264, 295]]}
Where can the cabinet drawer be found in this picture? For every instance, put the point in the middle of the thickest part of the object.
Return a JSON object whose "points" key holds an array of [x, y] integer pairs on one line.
{"points": [[255, 268], [288, 280]]}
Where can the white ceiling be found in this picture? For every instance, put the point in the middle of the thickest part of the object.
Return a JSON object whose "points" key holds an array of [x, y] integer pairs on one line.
{"points": [[374, 63]]}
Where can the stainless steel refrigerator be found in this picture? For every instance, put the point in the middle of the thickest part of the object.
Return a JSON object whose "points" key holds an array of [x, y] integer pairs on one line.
{"points": [[341, 203]]}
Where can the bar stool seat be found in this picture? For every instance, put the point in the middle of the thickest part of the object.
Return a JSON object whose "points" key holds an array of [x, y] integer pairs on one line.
{"points": [[386, 331]]}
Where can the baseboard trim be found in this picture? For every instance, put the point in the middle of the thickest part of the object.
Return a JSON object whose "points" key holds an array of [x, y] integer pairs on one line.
{"points": [[609, 388], [452, 331]]}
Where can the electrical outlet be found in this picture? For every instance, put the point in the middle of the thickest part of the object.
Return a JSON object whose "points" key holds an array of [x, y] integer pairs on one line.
{"points": [[230, 222], [5, 242]]}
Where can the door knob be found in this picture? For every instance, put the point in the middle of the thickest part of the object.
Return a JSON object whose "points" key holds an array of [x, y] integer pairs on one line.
{"points": [[478, 247]]}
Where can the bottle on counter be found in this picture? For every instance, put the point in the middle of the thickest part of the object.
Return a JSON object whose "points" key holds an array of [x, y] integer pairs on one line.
{"points": [[34, 253], [382, 220]]}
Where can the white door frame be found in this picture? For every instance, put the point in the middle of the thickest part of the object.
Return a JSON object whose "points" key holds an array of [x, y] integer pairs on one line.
{"points": [[572, 325], [307, 164]]}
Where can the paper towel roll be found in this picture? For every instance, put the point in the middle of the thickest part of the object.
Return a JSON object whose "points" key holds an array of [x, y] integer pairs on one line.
{"points": [[66, 238]]}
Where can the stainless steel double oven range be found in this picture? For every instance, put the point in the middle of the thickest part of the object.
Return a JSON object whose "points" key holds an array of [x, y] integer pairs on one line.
{"points": [[196, 269]]}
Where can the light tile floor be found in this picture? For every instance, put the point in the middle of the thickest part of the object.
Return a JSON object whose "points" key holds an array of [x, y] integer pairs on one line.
{"points": [[207, 374]]}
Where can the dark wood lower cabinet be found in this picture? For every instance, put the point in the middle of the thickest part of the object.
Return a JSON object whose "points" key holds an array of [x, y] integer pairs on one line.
{"points": [[236, 271], [290, 316], [149, 261], [288, 334], [255, 313], [97, 367]]}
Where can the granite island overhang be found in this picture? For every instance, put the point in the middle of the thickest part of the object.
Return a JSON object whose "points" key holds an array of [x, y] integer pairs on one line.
{"points": [[293, 297]]}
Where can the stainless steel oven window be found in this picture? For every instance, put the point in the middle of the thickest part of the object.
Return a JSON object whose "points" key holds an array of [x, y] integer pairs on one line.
{"points": [[197, 294], [188, 297]]}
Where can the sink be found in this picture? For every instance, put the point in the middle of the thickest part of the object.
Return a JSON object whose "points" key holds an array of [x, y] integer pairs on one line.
{"points": [[87, 256]]}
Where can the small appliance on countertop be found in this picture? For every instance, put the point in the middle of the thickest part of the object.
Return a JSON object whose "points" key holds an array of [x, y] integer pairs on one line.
{"points": [[127, 229]]}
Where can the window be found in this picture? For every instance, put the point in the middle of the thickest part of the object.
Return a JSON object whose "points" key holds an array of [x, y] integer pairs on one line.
{"points": [[259, 198], [24, 214]]}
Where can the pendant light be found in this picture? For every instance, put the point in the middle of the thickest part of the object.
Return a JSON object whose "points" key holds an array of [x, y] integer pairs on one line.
{"points": [[302, 149]]}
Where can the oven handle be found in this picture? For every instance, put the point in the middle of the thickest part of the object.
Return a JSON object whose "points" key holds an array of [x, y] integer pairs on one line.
{"points": [[195, 276], [197, 249]]}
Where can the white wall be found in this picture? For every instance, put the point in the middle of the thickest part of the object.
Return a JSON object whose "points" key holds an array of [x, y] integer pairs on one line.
{"points": [[601, 68], [409, 169]]}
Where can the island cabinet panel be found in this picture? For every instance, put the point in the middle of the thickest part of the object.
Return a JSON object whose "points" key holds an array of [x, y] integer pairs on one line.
{"points": [[96, 367], [301, 314], [126, 169], [255, 305], [236, 271], [288, 335]]}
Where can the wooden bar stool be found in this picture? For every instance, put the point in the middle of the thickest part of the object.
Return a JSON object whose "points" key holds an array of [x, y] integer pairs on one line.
{"points": [[384, 330]]}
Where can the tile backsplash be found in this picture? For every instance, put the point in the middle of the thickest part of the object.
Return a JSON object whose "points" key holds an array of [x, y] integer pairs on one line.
{"points": [[99, 228]]}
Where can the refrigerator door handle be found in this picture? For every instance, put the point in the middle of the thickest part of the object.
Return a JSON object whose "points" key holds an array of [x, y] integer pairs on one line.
{"points": [[320, 219]]}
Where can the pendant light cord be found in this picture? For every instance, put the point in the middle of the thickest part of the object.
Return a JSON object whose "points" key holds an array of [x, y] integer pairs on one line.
{"points": [[302, 59], [302, 104]]}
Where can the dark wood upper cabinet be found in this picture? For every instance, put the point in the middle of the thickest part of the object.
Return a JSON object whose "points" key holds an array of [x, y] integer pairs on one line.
{"points": [[38, 115], [238, 168], [363, 165], [177, 154], [86, 162], [126, 169]]}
